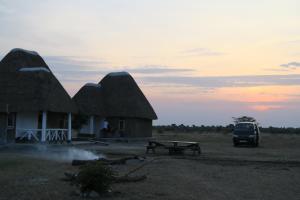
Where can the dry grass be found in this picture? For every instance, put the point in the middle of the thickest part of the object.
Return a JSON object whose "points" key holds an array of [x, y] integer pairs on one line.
{"points": [[220, 173], [25, 177]]}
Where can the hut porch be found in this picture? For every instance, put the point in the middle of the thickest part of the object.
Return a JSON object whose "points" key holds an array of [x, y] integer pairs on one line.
{"points": [[43, 126], [92, 126], [128, 127]]}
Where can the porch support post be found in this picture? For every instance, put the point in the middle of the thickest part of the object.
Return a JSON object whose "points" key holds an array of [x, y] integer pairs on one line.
{"points": [[92, 124], [44, 126], [69, 127], [16, 130]]}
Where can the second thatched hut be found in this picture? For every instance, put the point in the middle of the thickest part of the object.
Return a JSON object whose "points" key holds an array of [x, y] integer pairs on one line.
{"points": [[118, 101], [89, 100]]}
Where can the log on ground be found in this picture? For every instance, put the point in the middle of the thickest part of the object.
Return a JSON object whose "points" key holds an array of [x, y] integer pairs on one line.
{"points": [[105, 161]]}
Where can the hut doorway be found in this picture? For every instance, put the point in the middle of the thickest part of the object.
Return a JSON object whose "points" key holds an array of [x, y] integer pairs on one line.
{"points": [[3, 125], [122, 127]]}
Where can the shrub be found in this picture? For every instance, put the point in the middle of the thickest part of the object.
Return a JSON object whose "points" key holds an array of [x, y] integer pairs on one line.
{"points": [[95, 177]]}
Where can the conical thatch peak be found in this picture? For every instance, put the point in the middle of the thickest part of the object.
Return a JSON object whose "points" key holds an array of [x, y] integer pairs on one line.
{"points": [[20, 58], [89, 99], [124, 98], [92, 85], [20, 50], [27, 84], [118, 74]]}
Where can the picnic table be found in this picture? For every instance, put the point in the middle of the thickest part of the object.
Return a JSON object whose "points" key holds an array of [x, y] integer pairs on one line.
{"points": [[174, 147]]}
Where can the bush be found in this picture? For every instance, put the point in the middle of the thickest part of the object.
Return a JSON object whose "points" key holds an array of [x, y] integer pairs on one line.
{"points": [[95, 177]]}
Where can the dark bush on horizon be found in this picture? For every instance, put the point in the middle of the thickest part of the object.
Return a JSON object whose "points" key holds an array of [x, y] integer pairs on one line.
{"points": [[220, 129]]}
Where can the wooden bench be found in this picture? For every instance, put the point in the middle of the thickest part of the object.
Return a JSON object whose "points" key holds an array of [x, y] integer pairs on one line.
{"points": [[152, 145], [174, 147]]}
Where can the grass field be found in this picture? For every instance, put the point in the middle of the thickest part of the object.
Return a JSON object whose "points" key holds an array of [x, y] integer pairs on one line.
{"points": [[271, 171]]}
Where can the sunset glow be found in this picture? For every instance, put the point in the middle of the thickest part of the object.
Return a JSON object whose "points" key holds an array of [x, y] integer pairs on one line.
{"points": [[264, 107], [198, 62]]}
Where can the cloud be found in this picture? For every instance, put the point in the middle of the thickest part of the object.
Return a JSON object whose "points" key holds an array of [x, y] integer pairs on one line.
{"points": [[76, 73], [73, 62], [79, 69], [156, 69], [201, 52], [225, 81], [291, 65], [84, 69], [90, 64]]}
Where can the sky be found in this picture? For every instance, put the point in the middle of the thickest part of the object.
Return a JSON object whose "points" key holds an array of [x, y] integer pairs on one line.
{"points": [[197, 62]]}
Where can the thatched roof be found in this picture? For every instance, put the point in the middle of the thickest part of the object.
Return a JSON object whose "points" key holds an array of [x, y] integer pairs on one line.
{"points": [[116, 95], [124, 98], [27, 84], [89, 100]]}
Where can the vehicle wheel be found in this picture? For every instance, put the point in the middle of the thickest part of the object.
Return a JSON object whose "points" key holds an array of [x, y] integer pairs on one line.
{"points": [[235, 144], [254, 144]]}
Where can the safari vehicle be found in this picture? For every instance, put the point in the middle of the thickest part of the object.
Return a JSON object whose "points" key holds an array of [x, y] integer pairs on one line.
{"points": [[246, 133]]}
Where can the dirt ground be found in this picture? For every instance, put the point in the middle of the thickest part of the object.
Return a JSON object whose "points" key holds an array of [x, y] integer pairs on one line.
{"points": [[271, 171]]}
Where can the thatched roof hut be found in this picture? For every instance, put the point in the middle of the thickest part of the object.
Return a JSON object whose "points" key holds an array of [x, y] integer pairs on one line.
{"points": [[27, 84], [117, 99], [124, 98], [89, 100]]}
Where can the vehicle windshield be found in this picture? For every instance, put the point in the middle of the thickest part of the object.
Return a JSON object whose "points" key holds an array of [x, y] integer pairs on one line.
{"points": [[244, 128]]}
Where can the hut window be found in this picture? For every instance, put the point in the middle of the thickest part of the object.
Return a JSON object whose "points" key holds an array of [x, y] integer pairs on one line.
{"points": [[122, 125], [11, 120]]}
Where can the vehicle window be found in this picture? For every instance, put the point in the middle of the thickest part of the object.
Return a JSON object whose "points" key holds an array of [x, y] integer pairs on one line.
{"points": [[244, 126]]}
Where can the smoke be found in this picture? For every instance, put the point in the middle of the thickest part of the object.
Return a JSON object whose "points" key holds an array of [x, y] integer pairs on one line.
{"points": [[59, 153], [79, 154]]}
